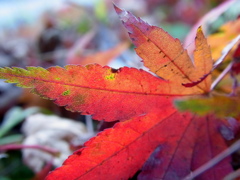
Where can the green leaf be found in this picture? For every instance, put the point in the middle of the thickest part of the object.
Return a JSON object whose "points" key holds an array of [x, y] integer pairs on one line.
{"points": [[222, 106], [13, 117], [11, 139]]}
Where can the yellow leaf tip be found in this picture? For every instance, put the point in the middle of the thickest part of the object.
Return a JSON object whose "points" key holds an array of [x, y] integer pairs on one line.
{"points": [[199, 29]]}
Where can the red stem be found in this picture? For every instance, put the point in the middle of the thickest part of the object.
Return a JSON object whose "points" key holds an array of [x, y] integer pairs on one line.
{"points": [[49, 150]]}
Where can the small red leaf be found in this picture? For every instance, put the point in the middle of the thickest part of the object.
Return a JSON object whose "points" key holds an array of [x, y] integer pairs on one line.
{"points": [[236, 54], [236, 61]]}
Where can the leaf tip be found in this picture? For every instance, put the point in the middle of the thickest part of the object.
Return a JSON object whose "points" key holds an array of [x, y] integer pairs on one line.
{"points": [[123, 15], [199, 29], [117, 9]]}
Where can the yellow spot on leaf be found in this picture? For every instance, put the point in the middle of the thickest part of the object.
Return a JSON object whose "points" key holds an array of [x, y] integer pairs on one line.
{"points": [[65, 93], [110, 76]]}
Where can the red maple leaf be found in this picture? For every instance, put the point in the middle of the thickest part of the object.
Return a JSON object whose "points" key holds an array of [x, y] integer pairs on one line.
{"points": [[236, 63], [143, 104]]}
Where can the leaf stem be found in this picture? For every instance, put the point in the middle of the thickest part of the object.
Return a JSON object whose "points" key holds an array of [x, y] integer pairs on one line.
{"points": [[49, 150]]}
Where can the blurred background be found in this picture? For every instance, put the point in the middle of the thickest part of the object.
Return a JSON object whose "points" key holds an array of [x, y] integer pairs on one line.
{"points": [[35, 134]]}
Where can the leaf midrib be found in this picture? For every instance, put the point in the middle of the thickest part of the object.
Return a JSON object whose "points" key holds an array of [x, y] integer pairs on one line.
{"points": [[125, 147], [94, 88], [171, 60]]}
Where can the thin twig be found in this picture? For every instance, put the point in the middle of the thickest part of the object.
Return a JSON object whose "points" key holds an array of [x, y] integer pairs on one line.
{"points": [[89, 124], [232, 175], [214, 161], [225, 51], [221, 76], [49, 150]]}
